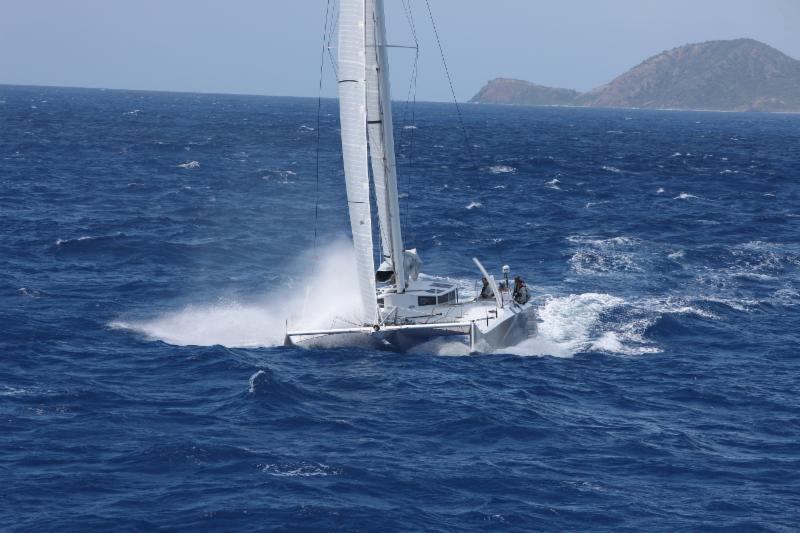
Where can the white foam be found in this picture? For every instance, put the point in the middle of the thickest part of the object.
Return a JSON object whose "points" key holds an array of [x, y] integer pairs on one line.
{"points": [[659, 190], [190, 165], [621, 240], [685, 196], [566, 325], [59, 242], [474, 205], [263, 322], [252, 381], [13, 391], [553, 184], [502, 169], [609, 168], [279, 176], [301, 469]]}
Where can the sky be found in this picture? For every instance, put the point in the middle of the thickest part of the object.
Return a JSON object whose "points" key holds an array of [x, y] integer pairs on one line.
{"points": [[272, 47]]}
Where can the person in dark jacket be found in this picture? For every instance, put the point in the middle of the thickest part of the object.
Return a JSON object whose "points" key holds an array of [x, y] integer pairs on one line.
{"points": [[520, 293], [486, 291]]}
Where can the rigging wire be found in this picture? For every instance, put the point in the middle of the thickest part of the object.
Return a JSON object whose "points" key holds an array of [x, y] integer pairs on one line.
{"points": [[325, 39], [449, 78], [331, 33], [411, 96], [470, 148]]}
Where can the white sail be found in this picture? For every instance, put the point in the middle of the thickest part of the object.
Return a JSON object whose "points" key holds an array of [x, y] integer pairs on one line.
{"points": [[353, 117], [381, 140]]}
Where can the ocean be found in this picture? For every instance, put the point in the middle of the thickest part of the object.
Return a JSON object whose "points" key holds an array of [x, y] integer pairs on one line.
{"points": [[155, 247]]}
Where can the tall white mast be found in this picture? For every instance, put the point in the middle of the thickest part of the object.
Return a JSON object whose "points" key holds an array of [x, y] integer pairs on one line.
{"points": [[353, 117], [381, 140]]}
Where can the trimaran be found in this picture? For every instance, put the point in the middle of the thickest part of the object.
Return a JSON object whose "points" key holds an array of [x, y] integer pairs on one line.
{"points": [[398, 308]]}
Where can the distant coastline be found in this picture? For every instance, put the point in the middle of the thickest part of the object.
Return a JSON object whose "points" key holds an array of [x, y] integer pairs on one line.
{"points": [[735, 75]]}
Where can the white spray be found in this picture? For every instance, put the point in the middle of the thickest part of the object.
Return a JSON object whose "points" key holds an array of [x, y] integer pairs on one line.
{"points": [[328, 299]]}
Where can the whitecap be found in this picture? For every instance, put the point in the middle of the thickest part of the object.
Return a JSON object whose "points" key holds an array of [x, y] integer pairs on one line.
{"points": [[279, 176], [409, 127], [190, 165], [13, 391], [660, 190], [620, 240], [474, 205], [553, 184], [502, 169], [299, 469], [253, 379], [31, 293], [609, 168], [685, 196], [677, 254], [59, 242], [676, 154]]}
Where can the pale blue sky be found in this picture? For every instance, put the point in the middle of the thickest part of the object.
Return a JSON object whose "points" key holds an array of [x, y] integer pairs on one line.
{"points": [[272, 46]]}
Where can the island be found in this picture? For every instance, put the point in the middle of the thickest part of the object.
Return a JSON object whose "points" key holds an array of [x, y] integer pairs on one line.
{"points": [[729, 75]]}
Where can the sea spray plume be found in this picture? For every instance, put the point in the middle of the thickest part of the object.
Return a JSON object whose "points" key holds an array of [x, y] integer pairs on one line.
{"points": [[328, 299]]}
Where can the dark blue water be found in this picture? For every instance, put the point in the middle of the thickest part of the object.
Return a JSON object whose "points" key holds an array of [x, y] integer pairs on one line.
{"points": [[151, 245]]}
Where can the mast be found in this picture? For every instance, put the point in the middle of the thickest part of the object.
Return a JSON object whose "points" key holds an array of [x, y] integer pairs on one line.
{"points": [[381, 140], [353, 118]]}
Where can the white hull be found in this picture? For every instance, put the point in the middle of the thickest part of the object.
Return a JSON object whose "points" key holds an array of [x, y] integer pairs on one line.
{"points": [[485, 327]]}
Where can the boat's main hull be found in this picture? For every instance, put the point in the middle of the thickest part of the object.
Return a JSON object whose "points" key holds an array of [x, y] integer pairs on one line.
{"points": [[511, 327]]}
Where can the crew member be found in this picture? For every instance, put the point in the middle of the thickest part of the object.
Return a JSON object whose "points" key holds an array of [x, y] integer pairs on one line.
{"points": [[486, 291], [520, 294]]}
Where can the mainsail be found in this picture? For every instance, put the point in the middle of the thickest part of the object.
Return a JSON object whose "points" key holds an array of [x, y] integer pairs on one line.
{"points": [[381, 140], [353, 117]]}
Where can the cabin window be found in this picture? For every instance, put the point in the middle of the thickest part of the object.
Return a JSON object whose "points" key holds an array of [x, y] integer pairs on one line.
{"points": [[426, 300], [447, 297], [380, 302]]}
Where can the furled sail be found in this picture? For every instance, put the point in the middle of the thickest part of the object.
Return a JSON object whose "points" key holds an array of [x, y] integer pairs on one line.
{"points": [[381, 141], [353, 117]]}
